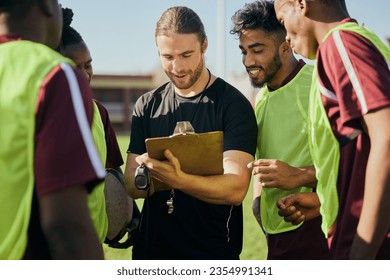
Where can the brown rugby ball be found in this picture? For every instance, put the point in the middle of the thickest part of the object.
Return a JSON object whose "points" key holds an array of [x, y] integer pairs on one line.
{"points": [[119, 206]]}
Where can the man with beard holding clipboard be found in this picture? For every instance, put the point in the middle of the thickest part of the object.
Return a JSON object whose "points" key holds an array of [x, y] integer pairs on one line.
{"points": [[198, 217]]}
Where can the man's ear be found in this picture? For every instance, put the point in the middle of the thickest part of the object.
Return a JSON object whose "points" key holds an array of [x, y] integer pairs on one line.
{"points": [[205, 45], [285, 49], [303, 6]]}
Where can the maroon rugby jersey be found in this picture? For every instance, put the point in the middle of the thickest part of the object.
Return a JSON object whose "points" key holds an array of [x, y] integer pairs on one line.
{"points": [[64, 152], [345, 108]]}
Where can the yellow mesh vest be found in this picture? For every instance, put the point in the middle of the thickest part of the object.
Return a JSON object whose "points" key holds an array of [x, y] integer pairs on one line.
{"points": [[96, 199], [324, 147], [23, 67], [282, 119]]}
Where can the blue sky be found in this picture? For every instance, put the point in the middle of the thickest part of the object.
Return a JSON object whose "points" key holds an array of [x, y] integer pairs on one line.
{"points": [[120, 33]]}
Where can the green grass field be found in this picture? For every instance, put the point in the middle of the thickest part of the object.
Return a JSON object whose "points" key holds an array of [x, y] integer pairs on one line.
{"points": [[254, 247]]}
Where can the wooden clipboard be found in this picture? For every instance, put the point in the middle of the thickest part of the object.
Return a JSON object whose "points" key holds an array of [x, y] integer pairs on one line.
{"points": [[198, 154]]}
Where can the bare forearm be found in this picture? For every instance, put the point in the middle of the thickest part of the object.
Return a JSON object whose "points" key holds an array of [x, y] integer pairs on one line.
{"points": [[228, 188], [374, 221], [68, 244], [273, 173], [67, 226], [221, 189]]}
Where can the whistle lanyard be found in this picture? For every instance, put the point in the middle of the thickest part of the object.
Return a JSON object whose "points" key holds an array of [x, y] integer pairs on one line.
{"points": [[172, 193], [202, 94]]}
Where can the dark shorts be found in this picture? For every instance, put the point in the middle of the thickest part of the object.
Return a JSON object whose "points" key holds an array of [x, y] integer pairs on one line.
{"points": [[307, 242]]}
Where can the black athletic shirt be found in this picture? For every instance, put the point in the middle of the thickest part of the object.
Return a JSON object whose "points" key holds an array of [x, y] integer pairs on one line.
{"points": [[195, 229]]}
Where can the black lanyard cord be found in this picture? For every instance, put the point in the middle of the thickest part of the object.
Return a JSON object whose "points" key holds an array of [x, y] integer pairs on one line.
{"points": [[197, 104]]}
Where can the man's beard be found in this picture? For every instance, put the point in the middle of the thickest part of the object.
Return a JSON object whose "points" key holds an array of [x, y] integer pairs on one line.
{"points": [[193, 77], [268, 74]]}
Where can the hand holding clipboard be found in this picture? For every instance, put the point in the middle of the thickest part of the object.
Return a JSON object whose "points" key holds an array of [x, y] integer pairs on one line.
{"points": [[198, 154]]}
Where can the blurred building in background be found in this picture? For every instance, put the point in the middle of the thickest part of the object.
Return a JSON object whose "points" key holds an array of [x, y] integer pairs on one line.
{"points": [[118, 93]]}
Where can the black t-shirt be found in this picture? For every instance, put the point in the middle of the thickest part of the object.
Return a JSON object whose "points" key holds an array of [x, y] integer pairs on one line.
{"points": [[195, 229]]}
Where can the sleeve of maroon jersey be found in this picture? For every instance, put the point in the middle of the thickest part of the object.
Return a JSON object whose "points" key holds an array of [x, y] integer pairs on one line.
{"points": [[65, 153], [358, 74]]}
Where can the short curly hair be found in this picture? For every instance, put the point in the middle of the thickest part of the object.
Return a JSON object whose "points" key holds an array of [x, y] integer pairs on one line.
{"points": [[258, 15]]}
